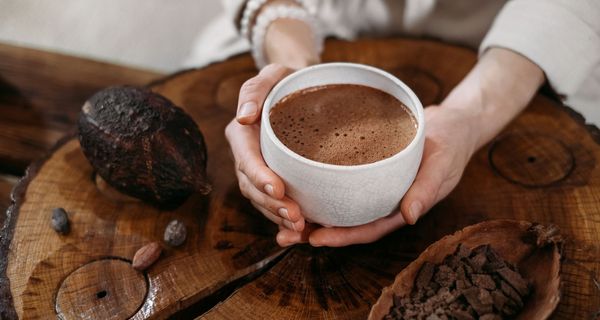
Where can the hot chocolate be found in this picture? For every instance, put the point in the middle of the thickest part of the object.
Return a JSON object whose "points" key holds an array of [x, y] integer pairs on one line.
{"points": [[343, 124]]}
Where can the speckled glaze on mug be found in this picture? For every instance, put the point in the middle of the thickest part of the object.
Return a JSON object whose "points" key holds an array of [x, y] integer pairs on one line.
{"points": [[336, 195]]}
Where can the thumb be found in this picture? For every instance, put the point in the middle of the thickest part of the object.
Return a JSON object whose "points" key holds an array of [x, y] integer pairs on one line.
{"points": [[254, 91], [423, 193]]}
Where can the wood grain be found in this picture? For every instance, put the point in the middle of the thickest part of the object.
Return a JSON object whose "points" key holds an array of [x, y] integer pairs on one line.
{"points": [[106, 289], [229, 240], [41, 94]]}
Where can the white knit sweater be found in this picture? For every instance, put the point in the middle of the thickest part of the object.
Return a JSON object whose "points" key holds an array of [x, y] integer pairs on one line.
{"points": [[561, 36]]}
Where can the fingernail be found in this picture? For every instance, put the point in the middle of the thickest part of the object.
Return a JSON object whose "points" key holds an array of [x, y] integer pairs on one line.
{"points": [[283, 212], [269, 189], [288, 224], [247, 109], [316, 244], [415, 210]]}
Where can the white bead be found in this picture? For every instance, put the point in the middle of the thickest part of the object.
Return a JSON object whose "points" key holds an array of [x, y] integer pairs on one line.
{"points": [[273, 13]]}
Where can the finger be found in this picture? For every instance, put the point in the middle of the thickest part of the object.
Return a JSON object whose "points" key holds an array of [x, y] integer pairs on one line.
{"points": [[423, 193], [244, 142], [287, 237], [343, 236], [277, 219], [285, 208], [255, 90], [268, 214]]}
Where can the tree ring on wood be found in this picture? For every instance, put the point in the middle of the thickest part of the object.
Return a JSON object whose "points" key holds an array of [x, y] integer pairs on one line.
{"points": [[530, 159], [108, 288]]}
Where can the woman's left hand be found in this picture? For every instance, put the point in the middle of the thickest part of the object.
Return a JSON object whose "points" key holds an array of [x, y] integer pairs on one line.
{"points": [[499, 87], [449, 143]]}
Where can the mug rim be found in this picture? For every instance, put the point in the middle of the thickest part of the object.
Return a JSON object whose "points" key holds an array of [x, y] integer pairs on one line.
{"points": [[419, 114]]}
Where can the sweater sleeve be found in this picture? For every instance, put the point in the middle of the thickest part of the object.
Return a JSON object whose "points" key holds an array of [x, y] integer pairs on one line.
{"points": [[561, 36], [337, 17]]}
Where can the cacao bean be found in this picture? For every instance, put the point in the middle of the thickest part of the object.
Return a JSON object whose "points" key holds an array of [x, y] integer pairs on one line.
{"points": [[146, 256], [60, 221], [175, 233]]}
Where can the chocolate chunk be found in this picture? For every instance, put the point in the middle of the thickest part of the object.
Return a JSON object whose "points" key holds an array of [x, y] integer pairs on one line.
{"points": [[461, 274], [479, 299], [462, 285], [444, 276], [430, 292], [477, 261], [447, 296], [500, 299], [468, 269], [458, 288], [461, 315], [511, 293], [494, 262], [514, 279], [428, 307], [482, 249], [452, 261], [411, 313], [483, 281], [462, 281], [424, 275], [462, 251]]}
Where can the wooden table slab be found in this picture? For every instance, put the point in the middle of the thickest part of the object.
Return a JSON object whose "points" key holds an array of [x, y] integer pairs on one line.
{"points": [[541, 168]]}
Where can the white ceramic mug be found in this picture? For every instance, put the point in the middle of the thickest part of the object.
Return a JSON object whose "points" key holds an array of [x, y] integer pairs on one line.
{"points": [[341, 195]]}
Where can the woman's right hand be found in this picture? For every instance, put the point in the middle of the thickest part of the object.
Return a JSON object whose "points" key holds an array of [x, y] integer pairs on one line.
{"points": [[258, 182], [290, 46]]}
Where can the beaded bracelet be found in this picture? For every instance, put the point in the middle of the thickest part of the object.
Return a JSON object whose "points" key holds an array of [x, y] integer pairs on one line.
{"points": [[252, 6], [273, 13]]}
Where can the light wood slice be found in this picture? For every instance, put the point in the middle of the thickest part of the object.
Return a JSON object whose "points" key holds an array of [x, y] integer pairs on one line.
{"points": [[228, 240]]}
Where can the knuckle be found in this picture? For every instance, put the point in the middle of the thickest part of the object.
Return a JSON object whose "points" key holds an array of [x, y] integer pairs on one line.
{"points": [[228, 130], [239, 166], [251, 85], [254, 176], [271, 205], [430, 192], [273, 73], [243, 189], [244, 193]]}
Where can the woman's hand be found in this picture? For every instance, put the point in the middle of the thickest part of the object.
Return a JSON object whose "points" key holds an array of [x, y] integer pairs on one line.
{"points": [[289, 45], [493, 93], [257, 182]]}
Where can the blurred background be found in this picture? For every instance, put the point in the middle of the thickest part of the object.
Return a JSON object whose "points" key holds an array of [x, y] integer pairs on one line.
{"points": [[155, 35]]}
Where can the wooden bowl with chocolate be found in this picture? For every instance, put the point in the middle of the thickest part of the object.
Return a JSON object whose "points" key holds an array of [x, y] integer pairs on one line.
{"points": [[499, 269]]}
